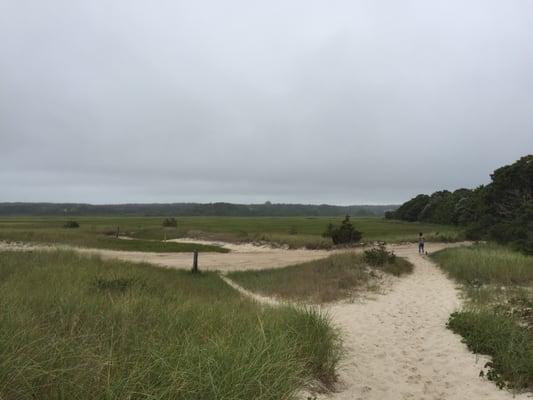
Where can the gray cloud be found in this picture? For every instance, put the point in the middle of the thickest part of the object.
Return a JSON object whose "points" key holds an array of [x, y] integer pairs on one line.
{"points": [[243, 101]]}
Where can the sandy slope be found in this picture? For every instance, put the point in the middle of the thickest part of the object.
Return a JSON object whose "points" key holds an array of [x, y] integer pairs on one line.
{"points": [[399, 346]]}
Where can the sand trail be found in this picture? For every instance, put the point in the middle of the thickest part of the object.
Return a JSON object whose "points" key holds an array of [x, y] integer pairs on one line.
{"points": [[398, 345], [400, 348]]}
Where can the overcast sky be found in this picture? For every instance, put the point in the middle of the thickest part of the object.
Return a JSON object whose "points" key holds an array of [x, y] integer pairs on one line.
{"points": [[343, 102]]}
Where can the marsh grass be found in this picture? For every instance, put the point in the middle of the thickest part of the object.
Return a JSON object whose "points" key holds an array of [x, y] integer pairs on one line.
{"points": [[292, 232], [77, 327], [99, 240], [497, 318], [336, 277]]}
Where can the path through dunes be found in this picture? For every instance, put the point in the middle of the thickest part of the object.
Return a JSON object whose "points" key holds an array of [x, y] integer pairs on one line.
{"points": [[400, 348], [398, 344]]}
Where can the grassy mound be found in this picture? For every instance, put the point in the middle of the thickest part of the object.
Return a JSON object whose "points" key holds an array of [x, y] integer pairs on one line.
{"points": [[79, 327], [319, 281], [485, 264], [497, 319], [509, 345]]}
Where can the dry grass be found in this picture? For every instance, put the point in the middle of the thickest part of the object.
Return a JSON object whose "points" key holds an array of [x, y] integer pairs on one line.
{"points": [[339, 276], [77, 327]]}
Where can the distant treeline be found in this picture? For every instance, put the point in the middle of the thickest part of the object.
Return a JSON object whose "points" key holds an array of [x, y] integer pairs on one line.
{"points": [[192, 209], [500, 211]]}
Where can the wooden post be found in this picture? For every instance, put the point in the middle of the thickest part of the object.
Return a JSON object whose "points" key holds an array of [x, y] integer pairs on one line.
{"points": [[195, 262], [118, 231]]}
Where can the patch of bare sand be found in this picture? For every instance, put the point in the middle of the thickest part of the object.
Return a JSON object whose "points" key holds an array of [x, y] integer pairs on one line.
{"points": [[241, 256]]}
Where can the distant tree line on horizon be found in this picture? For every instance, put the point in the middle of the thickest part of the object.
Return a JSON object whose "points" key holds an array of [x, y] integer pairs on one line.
{"points": [[501, 210], [266, 209]]}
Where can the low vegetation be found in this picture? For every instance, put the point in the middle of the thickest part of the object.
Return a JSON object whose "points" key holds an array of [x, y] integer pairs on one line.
{"points": [[486, 264], [75, 327], [338, 276], [379, 257], [497, 318], [292, 232], [53, 234]]}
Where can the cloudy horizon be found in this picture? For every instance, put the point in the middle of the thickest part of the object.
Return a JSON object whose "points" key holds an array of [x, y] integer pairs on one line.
{"points": [[338, 102]]}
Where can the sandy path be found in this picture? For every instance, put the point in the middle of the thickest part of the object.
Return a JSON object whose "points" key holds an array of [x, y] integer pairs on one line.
{"points": [[240, 257], [399, 345]]}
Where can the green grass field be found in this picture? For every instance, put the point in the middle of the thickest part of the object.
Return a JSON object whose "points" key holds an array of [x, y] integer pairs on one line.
{"points": [[77, 327], [497, 319], [293, 232], [336, 277]]}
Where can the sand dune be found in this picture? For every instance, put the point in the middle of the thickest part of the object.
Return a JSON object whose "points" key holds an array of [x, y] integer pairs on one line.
{"points": [[399, 347]]}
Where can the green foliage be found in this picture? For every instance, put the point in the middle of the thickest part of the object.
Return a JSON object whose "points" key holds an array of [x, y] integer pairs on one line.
{"points": [[501, 211], [343, 234], [379, 256], [71, 224], [410, 210], [95, 329], [509, 345], [170, 223]]}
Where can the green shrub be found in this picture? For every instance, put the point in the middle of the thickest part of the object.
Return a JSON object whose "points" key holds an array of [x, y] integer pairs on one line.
{"points": [[71, 224], [170, 223], [378, 256], [343, 234]]}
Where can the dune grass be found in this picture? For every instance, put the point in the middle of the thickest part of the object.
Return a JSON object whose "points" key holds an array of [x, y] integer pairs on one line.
{"points": [[293, 232], [99, 240], [336, 277], [486, 264], [509, 345], [497, 318], [77, 327]]}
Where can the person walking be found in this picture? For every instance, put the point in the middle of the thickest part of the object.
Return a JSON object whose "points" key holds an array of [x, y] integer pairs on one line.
{"points": [[421, 242]]}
